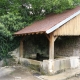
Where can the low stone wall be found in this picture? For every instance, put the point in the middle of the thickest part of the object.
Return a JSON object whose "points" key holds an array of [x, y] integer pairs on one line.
{"points": [[25, 61], [61, 64]]}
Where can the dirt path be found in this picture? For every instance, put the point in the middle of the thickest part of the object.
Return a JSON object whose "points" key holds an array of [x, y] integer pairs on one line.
{"points": [[20, 73]]}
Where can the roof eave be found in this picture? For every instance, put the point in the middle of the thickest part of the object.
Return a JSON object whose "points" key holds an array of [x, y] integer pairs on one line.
{"points": [[40, 32], [62, 22]]}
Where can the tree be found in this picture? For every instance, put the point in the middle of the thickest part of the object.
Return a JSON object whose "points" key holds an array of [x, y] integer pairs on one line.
{"points": [[31, 10], [39, 8], [9, 24]]}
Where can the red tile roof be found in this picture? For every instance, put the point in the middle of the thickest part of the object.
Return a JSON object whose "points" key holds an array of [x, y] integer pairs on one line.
{"points": [[47, 23]]}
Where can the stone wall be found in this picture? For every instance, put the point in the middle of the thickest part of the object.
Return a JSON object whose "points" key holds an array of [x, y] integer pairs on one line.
{"points": [[34, 44], [64, 47], [67, 46]]}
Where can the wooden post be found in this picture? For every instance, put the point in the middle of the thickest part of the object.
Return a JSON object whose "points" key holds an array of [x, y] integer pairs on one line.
{"points": [[51, 46], [21, 48]]}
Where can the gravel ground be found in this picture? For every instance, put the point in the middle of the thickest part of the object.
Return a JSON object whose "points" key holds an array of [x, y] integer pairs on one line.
{"points": [[75, 78], [20, 73], [23, 73]]}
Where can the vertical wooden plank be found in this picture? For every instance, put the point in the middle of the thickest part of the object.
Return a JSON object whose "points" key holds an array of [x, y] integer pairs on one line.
{"points": [[70, 28], [51, 47], [21, 49]]}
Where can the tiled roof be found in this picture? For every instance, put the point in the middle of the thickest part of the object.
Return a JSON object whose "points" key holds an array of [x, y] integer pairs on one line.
{"points": [[47, 23]]}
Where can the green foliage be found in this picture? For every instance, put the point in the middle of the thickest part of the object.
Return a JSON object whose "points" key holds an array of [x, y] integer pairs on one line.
{"points": [[9, 6], [36, 9], [4, 31], [32, 10], [9, 24], [61, 5]]}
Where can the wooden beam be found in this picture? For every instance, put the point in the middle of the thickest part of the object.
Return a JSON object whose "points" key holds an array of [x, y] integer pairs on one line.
{"points": [[32, 33], [48, 37], [37, 32], [41, 32], [28, 33], [55, 37]]}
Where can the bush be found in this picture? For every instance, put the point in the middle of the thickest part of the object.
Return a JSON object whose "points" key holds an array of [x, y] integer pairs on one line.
{"points": [[9, 24]]}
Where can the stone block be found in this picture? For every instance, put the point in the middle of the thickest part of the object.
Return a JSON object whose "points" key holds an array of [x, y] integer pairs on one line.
{"points": [[67, 63], [56, 65], [62, 62], [47, 66], [44, 66], [74, 61], [51, 66]]}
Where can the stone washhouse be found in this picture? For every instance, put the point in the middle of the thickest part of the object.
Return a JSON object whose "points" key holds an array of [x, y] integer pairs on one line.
{"points": [[66, 24]]}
